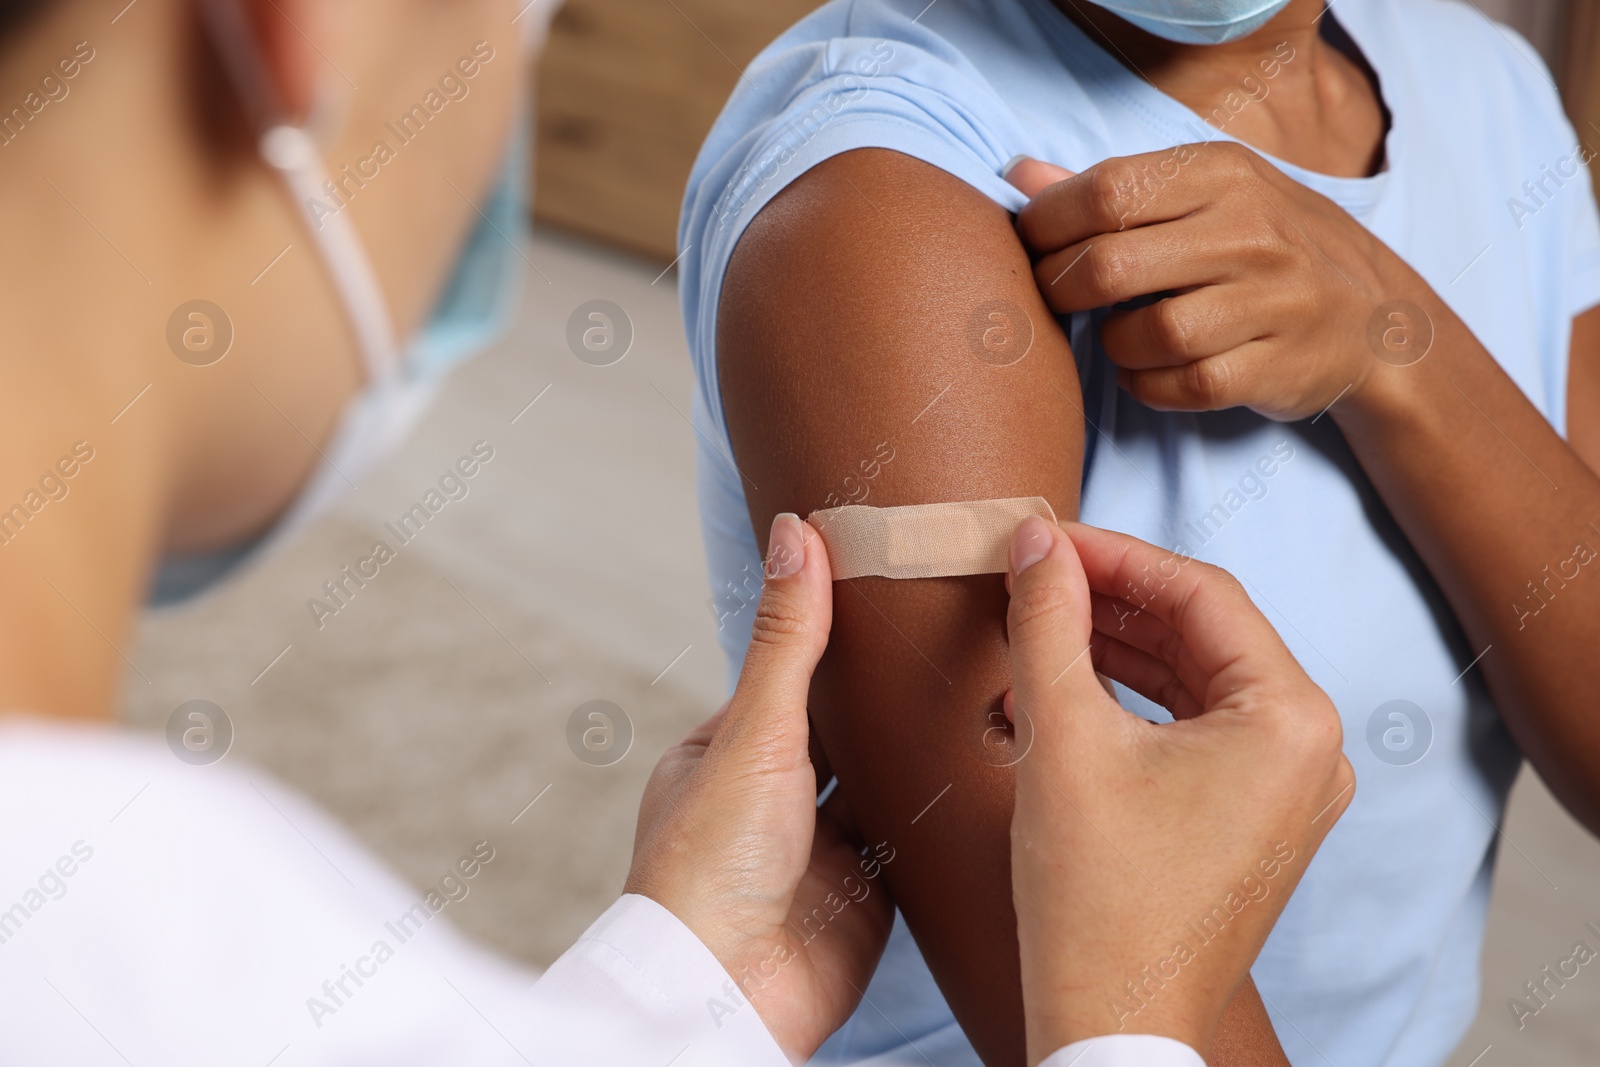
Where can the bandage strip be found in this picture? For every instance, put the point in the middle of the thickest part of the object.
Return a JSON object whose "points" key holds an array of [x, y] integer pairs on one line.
{"points": [[924, 540]]}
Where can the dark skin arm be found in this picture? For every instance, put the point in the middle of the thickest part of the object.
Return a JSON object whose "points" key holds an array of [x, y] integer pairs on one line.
{"points": [[866, 323], [1583, 388]]}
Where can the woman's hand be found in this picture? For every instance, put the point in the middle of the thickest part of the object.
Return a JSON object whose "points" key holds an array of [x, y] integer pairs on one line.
{"points": [[730, 838], [1271, 290], [1149, 862]]}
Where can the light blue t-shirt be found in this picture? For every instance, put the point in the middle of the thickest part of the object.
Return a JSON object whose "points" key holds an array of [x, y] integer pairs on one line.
{"points": [[1484, 193]]}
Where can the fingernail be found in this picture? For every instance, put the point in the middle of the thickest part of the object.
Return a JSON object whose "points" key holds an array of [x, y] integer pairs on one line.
{"points": [[786, 546], [1030, 543], [1005, 171]]}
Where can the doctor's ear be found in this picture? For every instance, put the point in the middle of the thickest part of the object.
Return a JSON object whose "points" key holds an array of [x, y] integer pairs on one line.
{"points": [[284, 30], [270, 51]]}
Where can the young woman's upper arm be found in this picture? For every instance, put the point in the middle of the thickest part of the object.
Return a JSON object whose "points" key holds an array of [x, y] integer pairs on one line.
{"points": [[1583, 388], [866, 327]]}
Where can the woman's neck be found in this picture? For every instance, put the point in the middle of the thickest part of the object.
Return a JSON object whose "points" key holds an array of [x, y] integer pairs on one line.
{"points": [[1284, 89]]}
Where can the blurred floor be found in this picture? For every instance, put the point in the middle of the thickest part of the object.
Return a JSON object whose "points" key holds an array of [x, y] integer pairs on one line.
{"points": [[432, 710]]}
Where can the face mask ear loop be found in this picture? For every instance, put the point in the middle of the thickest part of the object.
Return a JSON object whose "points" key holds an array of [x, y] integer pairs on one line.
{"points": [[291, 152]]}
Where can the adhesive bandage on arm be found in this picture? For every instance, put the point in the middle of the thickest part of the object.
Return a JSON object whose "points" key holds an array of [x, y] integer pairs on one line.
{"points": [[924, 540]]}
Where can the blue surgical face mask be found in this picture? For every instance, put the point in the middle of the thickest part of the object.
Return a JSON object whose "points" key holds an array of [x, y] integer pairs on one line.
{"points": [[476, 305], [1196, 21]]}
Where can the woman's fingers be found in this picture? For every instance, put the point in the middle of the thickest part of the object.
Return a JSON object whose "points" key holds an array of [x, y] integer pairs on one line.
{"points": [[1108, 269], [1116, 194], [1240, 377], [1033, 176], [1178, 330]]}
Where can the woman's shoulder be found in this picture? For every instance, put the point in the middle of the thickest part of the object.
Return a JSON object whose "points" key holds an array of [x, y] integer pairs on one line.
{"points": [[943, 35], [1461, 52], [871, 60], [918, 78]]}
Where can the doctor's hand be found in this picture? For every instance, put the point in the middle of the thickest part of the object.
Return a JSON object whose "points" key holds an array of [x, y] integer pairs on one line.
{"points": [[1279, 300], [1149, 862], [731, 840]]}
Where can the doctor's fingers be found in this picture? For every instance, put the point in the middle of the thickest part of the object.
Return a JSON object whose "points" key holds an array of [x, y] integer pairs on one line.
{"points": [[1128, 625], [1048, 626], [1184, 611], [766, 719], [698, 739], [680, 760], [1146, 675]]}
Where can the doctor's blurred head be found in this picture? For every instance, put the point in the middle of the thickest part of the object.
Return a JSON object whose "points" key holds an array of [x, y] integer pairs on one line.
{"points": [[245, 217]]}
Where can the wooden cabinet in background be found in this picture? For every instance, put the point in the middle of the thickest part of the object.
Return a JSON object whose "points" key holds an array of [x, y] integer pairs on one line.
{"points": [[627, 91]]}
